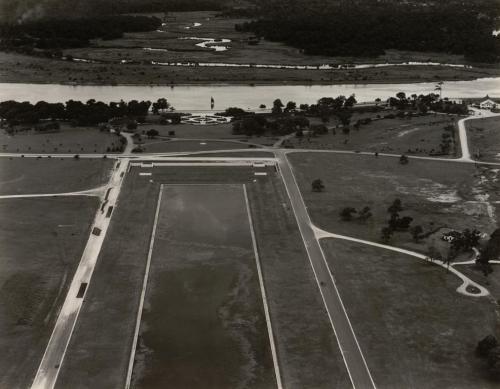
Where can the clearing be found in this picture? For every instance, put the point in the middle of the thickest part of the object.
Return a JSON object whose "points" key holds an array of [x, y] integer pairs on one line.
{"points": [[69, 140], [484, 138], [414, 329], [438, 195], [42, 241], [52, 175], [413, 136]]}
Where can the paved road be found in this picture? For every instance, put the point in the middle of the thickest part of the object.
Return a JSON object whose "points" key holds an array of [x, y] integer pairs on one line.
{"points": [[351, 352], [462, 130], [54, 354], [466, 281], [96, 192]]}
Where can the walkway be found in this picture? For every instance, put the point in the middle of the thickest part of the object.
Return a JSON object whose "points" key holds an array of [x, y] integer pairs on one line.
{"points": [[48, 370], [346, 338]]}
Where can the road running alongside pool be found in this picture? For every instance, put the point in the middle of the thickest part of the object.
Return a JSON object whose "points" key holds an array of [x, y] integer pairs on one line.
{"points": [[351, 351], [54, 354]]}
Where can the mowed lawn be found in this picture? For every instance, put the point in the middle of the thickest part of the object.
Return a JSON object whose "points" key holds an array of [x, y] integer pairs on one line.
{"points": [[72, 140], [52, 175], [414, 136], [203, 324], [165, 146], [414, 329], [41, 242], [308, 352], [240, 154], [435, 194], [484, 138], [220, 131]]}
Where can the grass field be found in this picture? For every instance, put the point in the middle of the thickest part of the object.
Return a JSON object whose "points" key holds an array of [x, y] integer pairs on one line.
{"points": [[436, 194], [190, 131], [166, 146], [41, 243], [221, 131], [51, 175], [203, 325], [308, 353], [236, 154], [415, 136], [484, 138], [414, 329], [68, 140]]}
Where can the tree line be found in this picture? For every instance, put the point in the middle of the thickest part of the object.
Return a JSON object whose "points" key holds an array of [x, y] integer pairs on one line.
{"points": [[367, 29], [78, 113], [47, 34]]}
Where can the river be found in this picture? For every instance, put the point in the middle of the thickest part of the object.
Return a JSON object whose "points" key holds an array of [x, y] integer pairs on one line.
{"points": [[197, 97]]}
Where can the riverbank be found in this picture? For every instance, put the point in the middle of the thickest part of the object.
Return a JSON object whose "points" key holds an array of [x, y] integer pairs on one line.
{"points": [[21, 68], [197, 98]]}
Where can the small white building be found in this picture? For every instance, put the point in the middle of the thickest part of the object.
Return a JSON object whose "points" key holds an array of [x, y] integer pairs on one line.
{"points": [[488, 104]]}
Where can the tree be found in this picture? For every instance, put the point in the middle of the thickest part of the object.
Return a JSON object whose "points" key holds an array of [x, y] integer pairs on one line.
{"points": [[365, 214], [403, 160], [132, 126], [402, 224], [350, 101], [346, 213], [395, 207], [485, 345], [470, 239], [494, 357], [416, 233], [317, 186], [319, 129], [488, 349], [234, 112], [277, 107], [290, 106], [344, 117], [386, 234], [490, 252], [152, 133], [160, 105], [301, 122]]}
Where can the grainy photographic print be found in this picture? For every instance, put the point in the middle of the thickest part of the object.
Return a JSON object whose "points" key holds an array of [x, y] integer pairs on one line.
{"points": [[249, 194]]}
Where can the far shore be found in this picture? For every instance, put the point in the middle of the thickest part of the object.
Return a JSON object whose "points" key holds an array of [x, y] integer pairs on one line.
{"points": [[304, 82], [16, 68]]}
